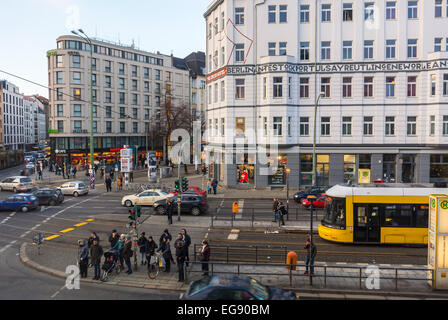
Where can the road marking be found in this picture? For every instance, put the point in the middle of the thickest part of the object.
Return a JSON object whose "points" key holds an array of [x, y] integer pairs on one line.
{"points": [[52, 237], [57, 292], [5, 248], [234, 233], [90, 220], [80, 224], [35, 227], [67, 230]]}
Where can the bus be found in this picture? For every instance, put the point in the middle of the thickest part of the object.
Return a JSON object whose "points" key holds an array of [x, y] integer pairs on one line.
{"points": [[382, 214]]}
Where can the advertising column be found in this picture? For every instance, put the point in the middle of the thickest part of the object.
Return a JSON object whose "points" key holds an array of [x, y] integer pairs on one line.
{"points": [[438, 240], [126, 164]]}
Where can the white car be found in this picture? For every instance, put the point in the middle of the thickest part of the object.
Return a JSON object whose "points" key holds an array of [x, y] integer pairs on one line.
{"points": [[17, 184], [146, 198]]}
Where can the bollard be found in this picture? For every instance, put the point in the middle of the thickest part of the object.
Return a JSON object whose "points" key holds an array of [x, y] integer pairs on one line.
{"points": [[291, 260]]}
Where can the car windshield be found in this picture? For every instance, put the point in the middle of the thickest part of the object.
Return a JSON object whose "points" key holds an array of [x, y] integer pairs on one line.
{"points": [[259, 290], [82, 185], [335, 212], [199, 285], [164, 193]]}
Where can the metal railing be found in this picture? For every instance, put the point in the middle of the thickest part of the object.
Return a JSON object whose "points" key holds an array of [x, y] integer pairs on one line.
{"points": [[294, 273], [261, 254], [297, 213]]}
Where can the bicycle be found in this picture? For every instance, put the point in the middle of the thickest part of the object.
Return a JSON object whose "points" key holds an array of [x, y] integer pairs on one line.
{"points": [[155, 265]]}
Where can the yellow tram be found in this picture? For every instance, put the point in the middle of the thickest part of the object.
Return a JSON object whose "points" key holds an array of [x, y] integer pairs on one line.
{"points": [[378, 214]]}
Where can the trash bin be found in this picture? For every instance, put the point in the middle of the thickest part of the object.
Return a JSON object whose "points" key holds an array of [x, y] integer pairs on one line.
{"points": [[291, 260]]}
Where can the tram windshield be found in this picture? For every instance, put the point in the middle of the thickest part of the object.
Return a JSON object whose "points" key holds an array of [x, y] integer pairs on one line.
{"points": [[335, 212]]}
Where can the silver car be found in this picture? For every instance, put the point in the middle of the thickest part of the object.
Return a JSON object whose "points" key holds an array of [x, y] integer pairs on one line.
{"points": [[75, 188], [17, 184]]}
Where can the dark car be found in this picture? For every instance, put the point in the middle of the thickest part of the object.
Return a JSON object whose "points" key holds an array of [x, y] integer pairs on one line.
{"points": [[49, 196], [315, 191], [233, 287], [189, 203], [19, 202]]}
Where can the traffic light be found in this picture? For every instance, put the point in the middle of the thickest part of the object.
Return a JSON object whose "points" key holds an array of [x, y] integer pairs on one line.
{"points": [[132, 215], [176, 185], [184, 184], [204, 170], [138, 210]]}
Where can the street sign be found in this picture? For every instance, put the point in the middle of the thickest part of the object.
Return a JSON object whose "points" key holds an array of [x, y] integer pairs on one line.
{"points": [[126, 160]]}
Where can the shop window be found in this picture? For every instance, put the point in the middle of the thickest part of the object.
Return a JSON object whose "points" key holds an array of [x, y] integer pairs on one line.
{"points": [[278, 177], [349, 168]]}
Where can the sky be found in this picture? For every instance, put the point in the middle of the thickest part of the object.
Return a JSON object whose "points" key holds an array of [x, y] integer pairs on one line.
{"points": [[30, 29]]}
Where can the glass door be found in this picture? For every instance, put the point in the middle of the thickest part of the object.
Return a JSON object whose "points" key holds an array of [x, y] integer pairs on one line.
{"points": [[366, 223]]}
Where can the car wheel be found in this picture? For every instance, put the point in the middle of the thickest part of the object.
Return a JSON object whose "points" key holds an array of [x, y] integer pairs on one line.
{"points": [[24, 209], [195, 211], [160, 211], [14, 190], [75, 194], [128, 203], [52, 203]]}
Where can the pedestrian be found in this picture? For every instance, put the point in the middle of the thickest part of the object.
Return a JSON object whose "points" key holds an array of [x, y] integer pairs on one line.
{"points": [[83, 258], [169, 207], [187, 241], [131, 176], [209, 187], [102, 172], [214, 185], [275, 209], [127, 253], [63, 171], [39, 172], [166, 234], [96, 252], [142, 242], [166, 253], [180, 256], [93, 236], [151, 247], [74, 172], [119, 183], [119, 246], [108, 183], [311, 252], [204, 257], [113, 238], [282, 212]]}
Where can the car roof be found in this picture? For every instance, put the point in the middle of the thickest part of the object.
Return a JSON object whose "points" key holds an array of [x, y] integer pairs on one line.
{"points": [[227, 280]]}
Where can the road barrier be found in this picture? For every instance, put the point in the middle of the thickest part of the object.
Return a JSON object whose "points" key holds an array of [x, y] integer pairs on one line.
{"points": [[388, 277]]}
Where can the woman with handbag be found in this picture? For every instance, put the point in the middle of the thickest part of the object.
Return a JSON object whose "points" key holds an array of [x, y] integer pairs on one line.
{"points": [[205, 256]]}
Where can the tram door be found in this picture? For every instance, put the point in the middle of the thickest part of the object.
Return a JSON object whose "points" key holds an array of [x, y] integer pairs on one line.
{"points": [[367, 223]]}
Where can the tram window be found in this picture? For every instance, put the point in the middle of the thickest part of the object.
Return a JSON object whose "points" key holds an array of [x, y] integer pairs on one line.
{"points": [[421, 216], [335, 212], [389, 215], [361, 216], [397, 216]]}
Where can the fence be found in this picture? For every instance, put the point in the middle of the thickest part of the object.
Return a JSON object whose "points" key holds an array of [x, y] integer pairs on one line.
{"points": [[297, 213], [325, 275]]}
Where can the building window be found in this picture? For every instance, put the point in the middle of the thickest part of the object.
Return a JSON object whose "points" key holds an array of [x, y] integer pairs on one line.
{"points": [[108, 66], [146, 114], [325, 126], [209, 94], [346, 87], [432, 125], [277, 126], [304, 14], [240, 126], [265, 88], [239, 16], [59, 61], [346, 126], [122, 113], [304, 126], [108, 96], [412, 48], [438, 167], [289, 126], [369, 11], [223, 91], [438, 44], [77, 94], [325, 50], [108, 82], [240, 92], [368, 49], [412, 9], [412, 126], [146, 73], [122, 127], [326, 12], [60, 110], [135, 127], [282, 48], [289, 87], [433, 84], [271, 48], [304, 87], [390, 10], [438, 9], [95, 126], [95, 111], [390, 126], [122, 97], [77, 128], [304, 51], [108, 112], [134, 85], [390, 86], [412, 86], [223, 127], [135, 99], [76, 61], [157, 75], [60, 126], [368, 126], [239, 52], [94, 80], [121, 83], [445, 125], [59, 77], [216, 93], [108, 126], [390, 49], [368, 87], [265, 126], [121, 68], [134, 113], [134, 71], [278, 87], [347, 12], [325, 87], [283, 16], [272, 14], [347, 50], [445, 84]]}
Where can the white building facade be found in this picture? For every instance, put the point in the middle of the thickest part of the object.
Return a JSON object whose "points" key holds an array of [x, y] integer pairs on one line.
{"points": [[29, 125], [13, 116], [381, 68]]}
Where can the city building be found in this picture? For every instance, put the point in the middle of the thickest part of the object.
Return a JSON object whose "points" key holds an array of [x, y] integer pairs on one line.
{"points": [[130, 89], [2, 106], [30, 122], [44, 107], [13, 116], [196, 64], [378, 72]]}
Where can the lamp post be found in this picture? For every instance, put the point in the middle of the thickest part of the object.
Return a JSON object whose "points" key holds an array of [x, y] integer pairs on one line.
{"points": [[287, 192], [92, 171], [314, 138]]}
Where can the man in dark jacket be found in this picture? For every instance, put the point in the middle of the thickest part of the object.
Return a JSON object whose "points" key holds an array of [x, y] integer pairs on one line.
{"points": [[93, 236], [96, 252], [151, 247], [166, 234], [83, 258], [311, 253], [214, 185], [180, 256], [187, 241], [166, 253], [205, 257], [142, 241], [113, 239], [108, 183], [127, 253], [169, 207], [275, 209], [282, 212]]}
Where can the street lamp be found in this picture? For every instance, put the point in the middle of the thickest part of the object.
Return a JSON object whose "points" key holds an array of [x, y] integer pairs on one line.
{"points": [[314, 138], [287, 191], [92, 171]]}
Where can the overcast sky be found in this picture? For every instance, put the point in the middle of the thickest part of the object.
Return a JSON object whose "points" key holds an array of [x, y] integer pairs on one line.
{"points": [[30, 29]]}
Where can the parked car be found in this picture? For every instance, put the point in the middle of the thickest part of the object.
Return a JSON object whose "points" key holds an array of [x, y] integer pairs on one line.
{"points": [[29, 158], [233, 287], [319, 203], [196, 190], [189, 203], [315, 191], [23, 202], [17, 184], [145, 198], [75, 188], [49, 196]]}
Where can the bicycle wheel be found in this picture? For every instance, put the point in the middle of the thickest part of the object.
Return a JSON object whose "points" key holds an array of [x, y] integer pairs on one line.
{"points": [[153, 270]]}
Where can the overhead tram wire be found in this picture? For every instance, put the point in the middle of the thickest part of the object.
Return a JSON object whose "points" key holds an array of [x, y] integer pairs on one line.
{"points": [[65, 94]]}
